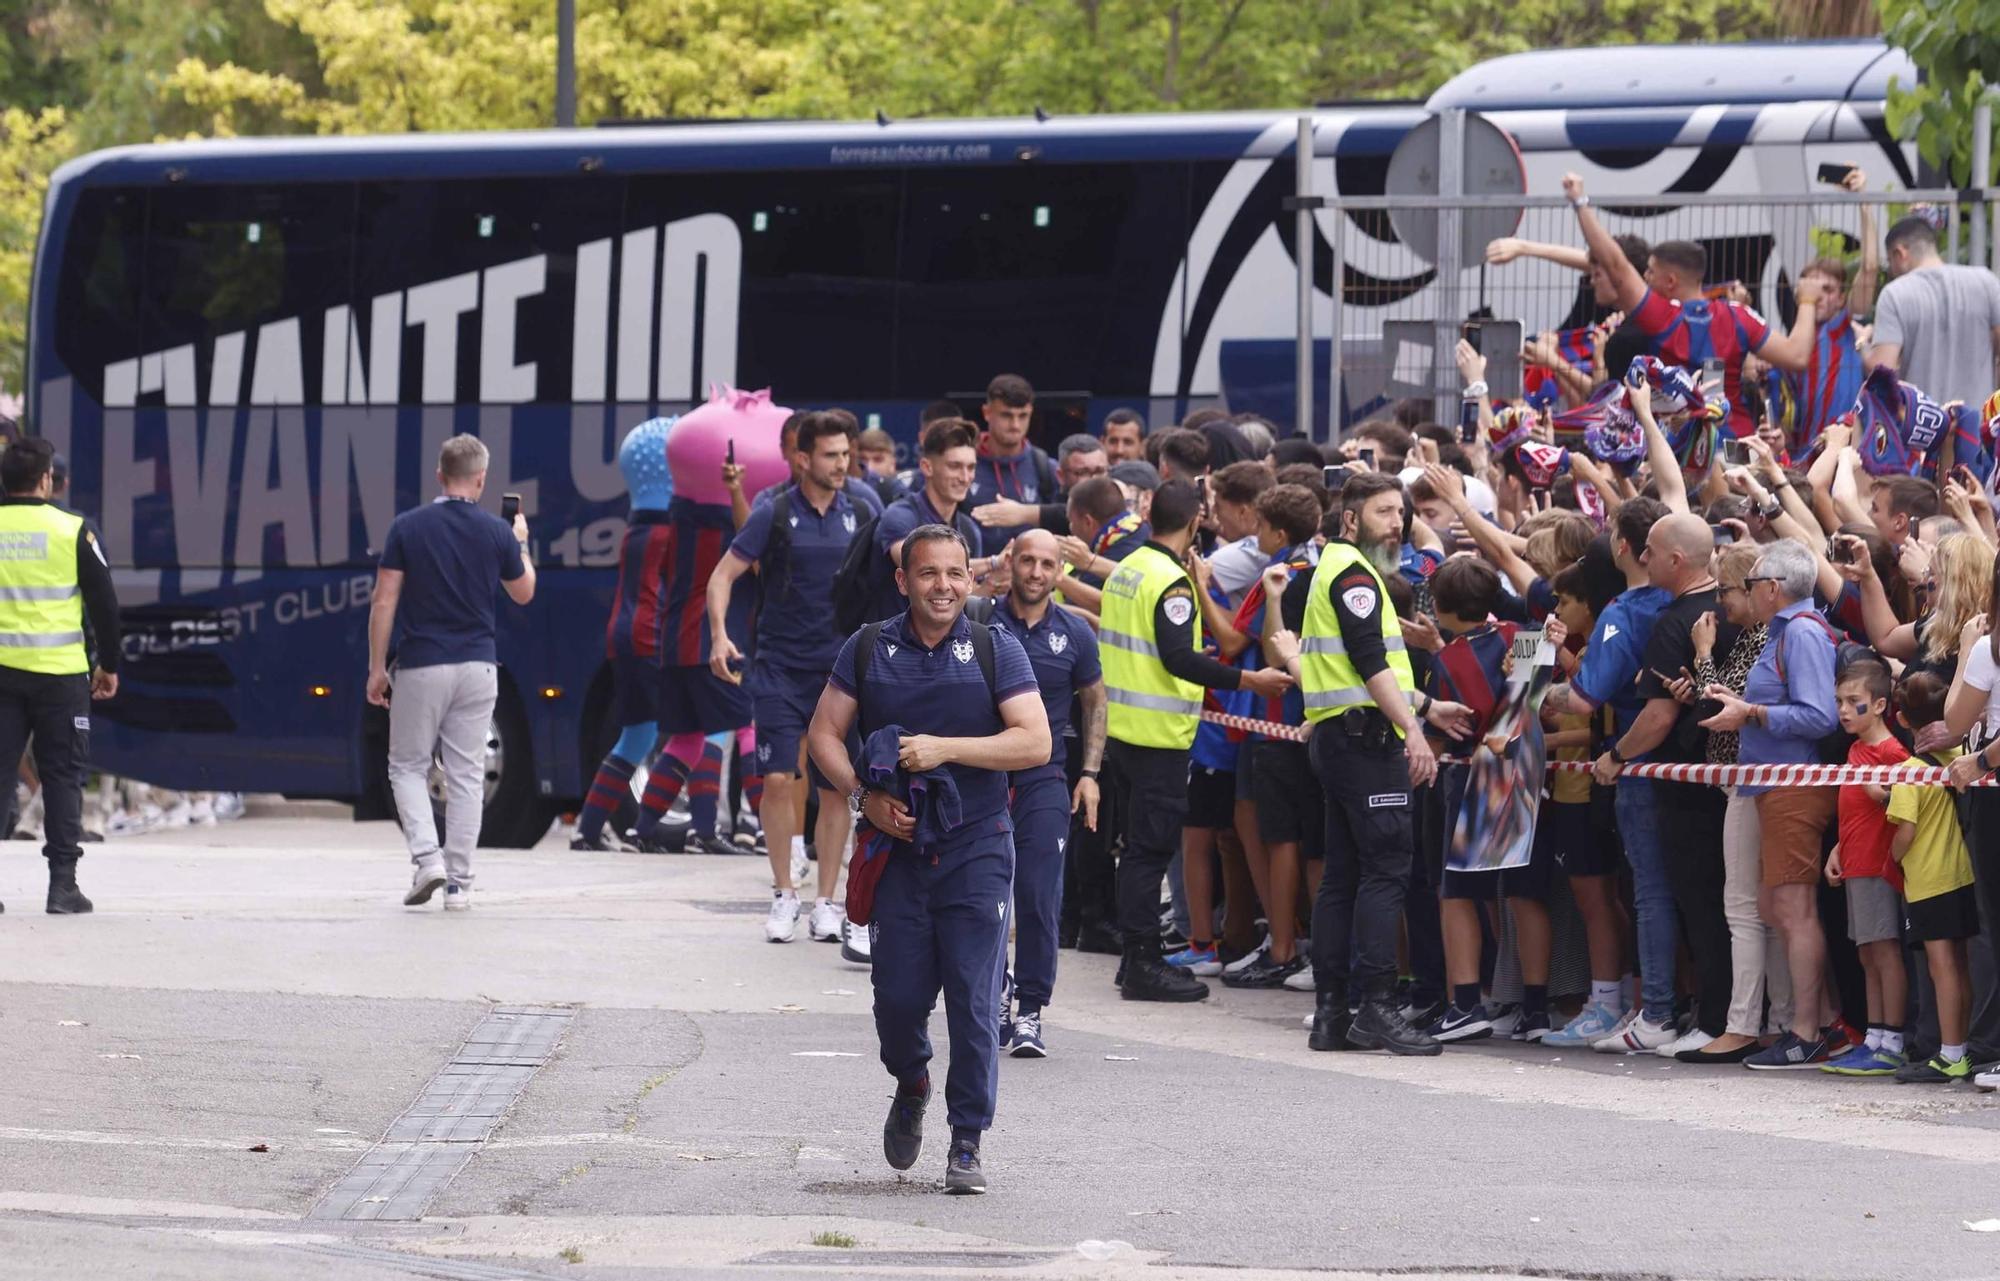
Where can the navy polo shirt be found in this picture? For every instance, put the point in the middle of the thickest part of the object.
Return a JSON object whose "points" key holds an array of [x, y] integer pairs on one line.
{"points": [[860, 492], [1062, 650], [452, 556], [899, 520], [795, 626], [941, 691]]}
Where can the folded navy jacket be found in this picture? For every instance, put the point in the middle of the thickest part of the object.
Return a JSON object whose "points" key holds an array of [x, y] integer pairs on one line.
{"points": [[932, 796]]}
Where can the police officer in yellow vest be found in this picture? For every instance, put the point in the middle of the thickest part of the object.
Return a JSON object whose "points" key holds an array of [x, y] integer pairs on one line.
{"points": [[52, 575], [1363, 706], [1149, 639]]}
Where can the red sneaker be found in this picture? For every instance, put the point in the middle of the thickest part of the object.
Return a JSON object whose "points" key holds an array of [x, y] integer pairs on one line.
{"points": [[1841, 1037]]}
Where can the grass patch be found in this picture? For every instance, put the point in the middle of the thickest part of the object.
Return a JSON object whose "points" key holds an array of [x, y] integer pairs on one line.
{"points": [[570, 1254], [834, 1240]]}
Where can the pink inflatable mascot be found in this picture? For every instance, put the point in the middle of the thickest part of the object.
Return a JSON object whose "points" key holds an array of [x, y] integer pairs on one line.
{"points": [[700, 442]]}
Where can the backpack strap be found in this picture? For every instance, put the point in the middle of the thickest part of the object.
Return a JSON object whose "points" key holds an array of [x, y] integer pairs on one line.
{"points": [[982, 652], [864, 649], [980, 610]]}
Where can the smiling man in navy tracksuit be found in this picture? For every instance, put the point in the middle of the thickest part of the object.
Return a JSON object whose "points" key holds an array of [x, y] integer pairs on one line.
{"points": [[941, 905]]}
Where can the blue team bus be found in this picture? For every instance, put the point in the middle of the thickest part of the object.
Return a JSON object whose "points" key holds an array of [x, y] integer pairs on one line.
{"points": [[251, 349]]}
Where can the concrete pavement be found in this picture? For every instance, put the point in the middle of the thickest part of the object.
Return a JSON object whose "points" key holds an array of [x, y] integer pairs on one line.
{"points": [[185, 1076]]}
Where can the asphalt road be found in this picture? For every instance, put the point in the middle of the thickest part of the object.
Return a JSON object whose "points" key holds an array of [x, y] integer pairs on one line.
{"points": [[188, 1075]]}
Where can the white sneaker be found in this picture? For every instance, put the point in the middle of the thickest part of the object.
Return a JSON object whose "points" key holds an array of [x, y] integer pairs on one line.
{"points": [[179, 816], [824, 925], [1302, 981], [427, 880], [1249, 958], [201, 813], [801, 867], [1692, 1039], [783, 922], [1987, 1081], [458, 898], [856, 942], [122, 824], [1640, 1035], [228, 806]]}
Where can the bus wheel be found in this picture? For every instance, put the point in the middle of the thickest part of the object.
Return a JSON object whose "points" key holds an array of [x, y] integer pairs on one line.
{"points": [[515, 817]]}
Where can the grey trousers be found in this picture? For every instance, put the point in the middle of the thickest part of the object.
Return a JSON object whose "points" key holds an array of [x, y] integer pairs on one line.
{"points": [[446, 709]]}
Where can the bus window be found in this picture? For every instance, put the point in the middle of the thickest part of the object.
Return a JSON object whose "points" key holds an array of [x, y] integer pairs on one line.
{"points": [[104, 250], [510, 246], [815, 292], [1067, 263], [226, 260]]}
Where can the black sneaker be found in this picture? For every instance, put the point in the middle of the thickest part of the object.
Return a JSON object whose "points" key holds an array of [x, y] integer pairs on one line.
{"points": [[1934, 1071], [1378, 1025], [903, 1132], [1461, 1025], [962, 1175], [1424, 1013], [1172, 940], [1151, 979], [1099, 937], [699, 844], [1264, 973]]}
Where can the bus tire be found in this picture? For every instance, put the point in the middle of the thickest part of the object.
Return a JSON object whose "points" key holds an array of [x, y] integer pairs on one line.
{"points": [[516, 816]]}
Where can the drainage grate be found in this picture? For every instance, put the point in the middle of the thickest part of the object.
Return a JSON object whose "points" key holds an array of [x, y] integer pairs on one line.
{"points": [[426, 1147]]}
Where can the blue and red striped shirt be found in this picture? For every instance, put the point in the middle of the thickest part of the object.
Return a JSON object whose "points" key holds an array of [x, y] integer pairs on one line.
{"points": [[1827, 387], [661, 609], [1702, 329]]}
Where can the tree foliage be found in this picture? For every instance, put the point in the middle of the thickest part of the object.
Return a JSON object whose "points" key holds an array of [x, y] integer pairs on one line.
{"points": [[1956, 45], [135, 70]]}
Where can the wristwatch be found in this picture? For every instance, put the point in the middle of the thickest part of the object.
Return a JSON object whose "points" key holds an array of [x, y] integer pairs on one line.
{"points": [[1474, 390], [1616, 755], [1771, 508], [1580, 201], [855, 799], [1089, 774]]}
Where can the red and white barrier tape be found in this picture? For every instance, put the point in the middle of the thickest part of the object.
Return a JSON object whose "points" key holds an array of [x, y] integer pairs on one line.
{"points": [[1714, 775]]}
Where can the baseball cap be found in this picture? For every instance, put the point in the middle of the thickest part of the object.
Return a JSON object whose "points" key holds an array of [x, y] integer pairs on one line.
{"points": [[1137, 473]]}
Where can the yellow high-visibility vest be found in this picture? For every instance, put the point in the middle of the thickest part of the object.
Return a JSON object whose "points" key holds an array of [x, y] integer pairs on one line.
{"points": [[41, 605], [1147, 706], [1330, 682]]}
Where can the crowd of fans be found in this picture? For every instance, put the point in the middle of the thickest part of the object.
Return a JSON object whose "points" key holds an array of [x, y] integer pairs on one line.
{"points": [[1754, 544]]}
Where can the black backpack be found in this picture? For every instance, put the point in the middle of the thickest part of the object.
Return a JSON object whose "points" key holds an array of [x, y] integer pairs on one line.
{"points": [[865, 576]]}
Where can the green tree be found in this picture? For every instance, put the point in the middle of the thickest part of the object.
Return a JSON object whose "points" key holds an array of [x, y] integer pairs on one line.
{"points": [[1956, 45], [31, 146]]}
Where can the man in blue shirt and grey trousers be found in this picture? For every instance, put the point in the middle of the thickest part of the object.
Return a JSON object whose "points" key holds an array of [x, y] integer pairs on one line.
{"points": [[440, 564], [965, 703]]}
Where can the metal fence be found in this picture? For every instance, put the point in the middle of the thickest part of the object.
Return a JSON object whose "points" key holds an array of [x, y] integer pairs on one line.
{"points": [[1389, 332]]}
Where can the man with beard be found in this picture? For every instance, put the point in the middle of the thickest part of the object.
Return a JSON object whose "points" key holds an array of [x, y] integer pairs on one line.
{"points": [[1368, 752], [952, 705], [1063, 651], [1154, 674]]}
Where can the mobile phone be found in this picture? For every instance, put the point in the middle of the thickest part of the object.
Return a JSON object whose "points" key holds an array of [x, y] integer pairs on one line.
{"points": [[1843, 552], [1724, 535], [1735, 451], [1470, 332], [1333, 477], [729, 453], [1468, 421], [1367, 455], [1834, 174], [510, 507]]}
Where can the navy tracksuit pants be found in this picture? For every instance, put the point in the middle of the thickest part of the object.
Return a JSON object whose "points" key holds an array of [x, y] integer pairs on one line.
{"points": [[1041, 831], [941, 925]]}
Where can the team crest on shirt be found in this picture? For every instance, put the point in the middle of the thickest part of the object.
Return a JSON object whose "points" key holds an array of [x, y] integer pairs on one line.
{"points": [[847, 521], [1058, 642], [1030, 493], [795, 522], [1360, 600], [892, 649], [962, 651]]}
